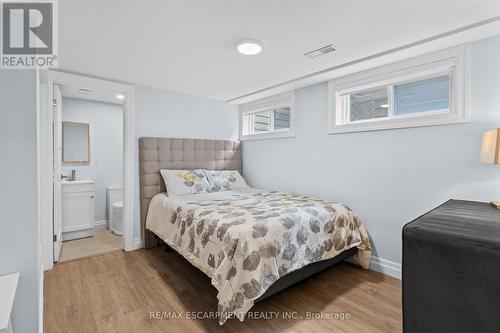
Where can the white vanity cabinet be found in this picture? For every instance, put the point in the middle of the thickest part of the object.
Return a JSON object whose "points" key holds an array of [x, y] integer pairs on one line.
{"points": [[78, 209]]}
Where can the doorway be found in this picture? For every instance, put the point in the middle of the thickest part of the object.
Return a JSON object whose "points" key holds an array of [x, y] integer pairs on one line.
{"points": [[88, 200], [76, 208]]}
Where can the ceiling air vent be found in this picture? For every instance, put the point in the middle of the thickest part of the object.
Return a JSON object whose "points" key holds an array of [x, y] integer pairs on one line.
{"points": [[84, 91], [321, 51]]}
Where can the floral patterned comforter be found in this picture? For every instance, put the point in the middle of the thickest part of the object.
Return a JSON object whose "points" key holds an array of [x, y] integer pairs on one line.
{"points": [[245, 240]]}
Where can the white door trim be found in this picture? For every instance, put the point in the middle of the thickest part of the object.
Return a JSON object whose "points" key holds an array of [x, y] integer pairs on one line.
{"points": [[57, 198], [48, 78]]}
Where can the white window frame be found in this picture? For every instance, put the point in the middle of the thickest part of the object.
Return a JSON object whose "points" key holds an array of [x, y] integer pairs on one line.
{"points": [[454, 62], [286, 100]]}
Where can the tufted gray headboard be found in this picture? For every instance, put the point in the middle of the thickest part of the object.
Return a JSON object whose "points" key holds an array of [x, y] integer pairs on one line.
{"points": [[156, 154]]}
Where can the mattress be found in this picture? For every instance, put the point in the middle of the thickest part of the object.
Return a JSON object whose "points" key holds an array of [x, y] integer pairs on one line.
{"points": [[246, 240]]}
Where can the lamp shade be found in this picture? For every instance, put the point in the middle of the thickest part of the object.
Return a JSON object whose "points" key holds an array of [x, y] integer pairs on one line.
{"points": [[490, 148]]}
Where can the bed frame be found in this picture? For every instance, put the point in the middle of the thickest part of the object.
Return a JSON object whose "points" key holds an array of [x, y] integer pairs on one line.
{"points": [[156, 154]]}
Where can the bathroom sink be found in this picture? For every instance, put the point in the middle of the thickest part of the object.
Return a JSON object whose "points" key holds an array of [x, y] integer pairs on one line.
{"points": [[77, 182]]}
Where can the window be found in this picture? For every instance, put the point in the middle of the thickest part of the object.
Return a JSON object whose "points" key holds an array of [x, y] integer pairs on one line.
{"points": [[371, 104], [428, 90], [266, 121], [267, 118]]}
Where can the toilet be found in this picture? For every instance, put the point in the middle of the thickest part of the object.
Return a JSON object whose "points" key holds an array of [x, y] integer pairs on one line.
{"points": [[116, 224], [115, 209]]}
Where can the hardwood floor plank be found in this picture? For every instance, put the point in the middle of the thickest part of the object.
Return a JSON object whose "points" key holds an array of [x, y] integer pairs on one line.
{"points": [[117, 291], [103, 241]]}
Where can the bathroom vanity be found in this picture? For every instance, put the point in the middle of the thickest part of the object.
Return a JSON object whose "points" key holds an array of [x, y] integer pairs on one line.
{"points": [[78, 209]]}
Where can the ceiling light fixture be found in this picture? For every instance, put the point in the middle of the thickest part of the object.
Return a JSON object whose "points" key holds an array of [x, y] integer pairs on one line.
{"points": [[120, 96], [249, 46], [385, 106]]}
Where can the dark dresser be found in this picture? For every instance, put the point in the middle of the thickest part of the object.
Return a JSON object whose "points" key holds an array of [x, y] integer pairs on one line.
{"points": [[451, 270]]}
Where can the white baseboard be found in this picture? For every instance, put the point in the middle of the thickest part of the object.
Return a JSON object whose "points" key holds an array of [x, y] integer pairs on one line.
{"points": [[77, 231], [137, 243], [386, 267], [78, 228], [101, 224]]}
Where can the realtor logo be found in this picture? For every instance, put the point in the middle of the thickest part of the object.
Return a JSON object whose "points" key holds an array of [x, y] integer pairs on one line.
{"points": [[29, 34]]}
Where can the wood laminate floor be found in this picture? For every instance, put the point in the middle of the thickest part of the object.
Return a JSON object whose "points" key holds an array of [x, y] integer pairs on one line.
{"points": [[102, 241], [117, 291]]}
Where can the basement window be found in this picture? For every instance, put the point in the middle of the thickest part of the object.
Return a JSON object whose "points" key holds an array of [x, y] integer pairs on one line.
{"points": [[268, 118], [424, 91]]}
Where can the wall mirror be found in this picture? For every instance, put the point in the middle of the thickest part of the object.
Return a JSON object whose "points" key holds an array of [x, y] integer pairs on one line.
{"points": [[75, 142]]}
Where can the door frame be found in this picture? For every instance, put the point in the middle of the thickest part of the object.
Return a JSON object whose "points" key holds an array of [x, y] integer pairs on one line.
{"points": [[47, 80], [57, 166]]}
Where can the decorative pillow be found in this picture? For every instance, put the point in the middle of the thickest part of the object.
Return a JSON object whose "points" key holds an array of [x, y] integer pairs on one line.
{"points": [[225, 180], [182, 182]]}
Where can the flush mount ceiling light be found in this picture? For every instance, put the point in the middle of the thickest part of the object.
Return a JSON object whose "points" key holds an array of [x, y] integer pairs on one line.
{"points": [[120, 96], [249, 46]]}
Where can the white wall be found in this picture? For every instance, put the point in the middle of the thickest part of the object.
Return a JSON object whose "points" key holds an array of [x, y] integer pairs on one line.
{"points": [[18, 193], [388, 177], [106, 128], [161, 113]]}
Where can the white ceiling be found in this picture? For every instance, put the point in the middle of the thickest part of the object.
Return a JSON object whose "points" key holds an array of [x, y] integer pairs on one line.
{"points": [[187, 46]]}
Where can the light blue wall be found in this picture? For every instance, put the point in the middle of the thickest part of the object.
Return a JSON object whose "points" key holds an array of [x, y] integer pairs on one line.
{"points": [[161, 113], [157, 113], [18, 193], [387, 177], [106, 127]]}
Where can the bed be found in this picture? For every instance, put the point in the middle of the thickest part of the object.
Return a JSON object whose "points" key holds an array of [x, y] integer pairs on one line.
{"points": [[252, 243]]}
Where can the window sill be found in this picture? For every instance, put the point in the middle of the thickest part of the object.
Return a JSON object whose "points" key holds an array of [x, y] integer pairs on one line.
{"points": [[270, 135], [381, 125]]}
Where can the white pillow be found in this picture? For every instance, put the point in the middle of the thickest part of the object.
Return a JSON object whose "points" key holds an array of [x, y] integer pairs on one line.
{"points": [[225, 180], [182, 182]]}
